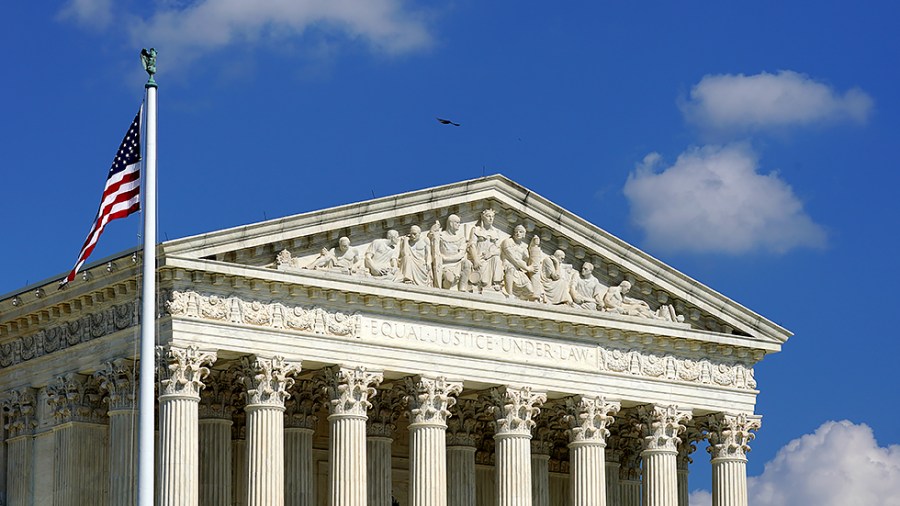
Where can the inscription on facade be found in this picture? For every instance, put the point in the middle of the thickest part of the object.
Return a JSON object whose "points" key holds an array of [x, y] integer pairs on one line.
{"points": [[481, 344]]}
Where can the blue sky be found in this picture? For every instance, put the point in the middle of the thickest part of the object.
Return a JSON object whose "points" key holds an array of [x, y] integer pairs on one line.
{"points": [[749, 146]]}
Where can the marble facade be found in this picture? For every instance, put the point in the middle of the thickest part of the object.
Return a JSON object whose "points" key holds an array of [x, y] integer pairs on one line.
{"points": [[501, 351]]}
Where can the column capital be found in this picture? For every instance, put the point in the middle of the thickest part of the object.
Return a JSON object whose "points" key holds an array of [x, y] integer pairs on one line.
{"points": [[729, 434], [385, 408], [686, 447], [660, 426], [19, 407], [464, 426], [303, 404], [349, 389], [183, 370], [74, 397], [588, 418], [430, 399], [514, 409], [218, 395], [119, 379], [267, 380]]}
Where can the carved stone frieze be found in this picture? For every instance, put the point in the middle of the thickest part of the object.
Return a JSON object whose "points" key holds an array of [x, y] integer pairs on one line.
{"points": [[20, 412], [59, 337], [465, 425], [119, 379], [303, 404], [430, 399], [514, 409], [348, 389], [183, 369], [267, 380], [272, 314], [660, 426], [672, 368], [729, 435], [76, 397], [589, 417]]}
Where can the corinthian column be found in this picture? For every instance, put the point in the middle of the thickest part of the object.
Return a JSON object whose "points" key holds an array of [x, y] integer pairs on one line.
{"points": [[20, 408], [300, 421], [267, 381], [462, 442], [729, 437], [513, 410], [79, 439], [588, 419], [380, 427], [179, 471], [348, 392], [541, 446], [629, 447], [117, 378], [214, 431], [685, 449], [429, 402], [660, 426]]}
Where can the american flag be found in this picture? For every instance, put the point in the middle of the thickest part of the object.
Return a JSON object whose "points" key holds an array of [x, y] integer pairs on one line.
{"points": [[122, 194]]}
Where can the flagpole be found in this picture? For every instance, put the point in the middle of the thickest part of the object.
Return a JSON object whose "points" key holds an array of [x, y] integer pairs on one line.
{"points": [[146, 449]]}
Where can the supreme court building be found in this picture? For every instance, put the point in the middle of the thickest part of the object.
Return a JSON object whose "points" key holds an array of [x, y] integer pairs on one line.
{"points": [[472, 344]]}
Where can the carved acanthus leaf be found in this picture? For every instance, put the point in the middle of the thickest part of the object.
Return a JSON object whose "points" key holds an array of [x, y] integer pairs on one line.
{"points": [[267, 380], [75, 397], [20, 413], [465, 425], [303, 404], [660, 426], [514, 409], [348, 389], [386, 408], [729, 435], [430, 399], [119, 379], [183, 369], [589, 417]]}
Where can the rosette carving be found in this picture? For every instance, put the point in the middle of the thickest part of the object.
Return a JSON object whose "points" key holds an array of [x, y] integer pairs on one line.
{"points": [[267, 380], [464, 426], [589, 417], [184, 369], [660, 426], [119, 380], [729, 435], [75, 397], [349, 389], [430, 399], [514, 409]]}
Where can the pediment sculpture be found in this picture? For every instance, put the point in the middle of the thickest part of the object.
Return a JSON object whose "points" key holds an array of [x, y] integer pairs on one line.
{"points": [[485, 260]]}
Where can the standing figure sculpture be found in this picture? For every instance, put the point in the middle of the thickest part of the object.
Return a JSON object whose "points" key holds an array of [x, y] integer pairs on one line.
{"points": [[415, 258], [555, 279], [342, 259], [484, 252], [381, 257], [587, 292], [517, 270], [451, 267]]}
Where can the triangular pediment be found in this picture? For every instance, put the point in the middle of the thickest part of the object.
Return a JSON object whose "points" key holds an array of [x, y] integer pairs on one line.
{"points": [[538, 269]]}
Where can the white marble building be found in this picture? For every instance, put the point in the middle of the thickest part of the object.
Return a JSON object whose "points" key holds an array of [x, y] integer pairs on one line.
{"points": [[467, 345]]}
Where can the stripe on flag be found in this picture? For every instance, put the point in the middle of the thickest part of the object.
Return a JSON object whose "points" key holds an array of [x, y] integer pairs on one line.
{"points": [[121, 195]]}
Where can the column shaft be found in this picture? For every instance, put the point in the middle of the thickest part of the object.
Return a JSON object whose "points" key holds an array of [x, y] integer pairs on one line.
{"points": [[588, 472], [485, 486], [298, 467], [613, 495], [540, 479], [427, 465], [80, 468], [729, 482], [683, 492], [513, 469], [239, 472], [378, 470], [20, 455], [122, 458], [265, 455], [630, 492], [178, 448], [461, 480], [215, 461], [660, 479], [347, 468]]}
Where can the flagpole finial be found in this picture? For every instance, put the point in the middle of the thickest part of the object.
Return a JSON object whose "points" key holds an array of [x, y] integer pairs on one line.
{"points": [[148, 58]]}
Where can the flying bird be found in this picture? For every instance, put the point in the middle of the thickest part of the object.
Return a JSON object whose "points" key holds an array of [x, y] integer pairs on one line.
{"points": [[446, 122]]}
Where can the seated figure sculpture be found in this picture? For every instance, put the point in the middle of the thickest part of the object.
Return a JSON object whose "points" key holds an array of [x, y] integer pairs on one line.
{"points": [[381, 258], [343, 259], [449, 248], [586, 290], [484, 253], [616, 301], [415, 258], [555, 279], [517, 270]]}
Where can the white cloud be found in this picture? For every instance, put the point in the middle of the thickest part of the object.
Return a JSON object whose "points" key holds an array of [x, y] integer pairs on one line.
{"points": [[840, 464], [713, 199], [187, 31], [730, 102], [89, 13]]}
